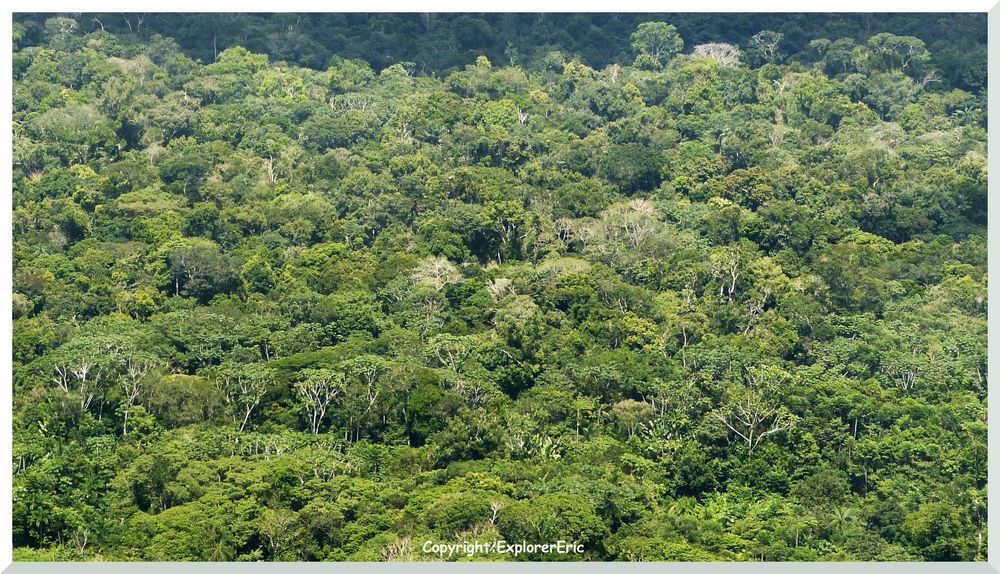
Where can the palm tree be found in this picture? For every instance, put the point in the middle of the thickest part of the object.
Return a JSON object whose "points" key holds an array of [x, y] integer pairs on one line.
{"points": [[685, 505], [842, 519]]}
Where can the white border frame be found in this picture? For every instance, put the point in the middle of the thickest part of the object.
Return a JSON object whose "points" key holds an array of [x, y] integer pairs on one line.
{"points": [[650, 6]]}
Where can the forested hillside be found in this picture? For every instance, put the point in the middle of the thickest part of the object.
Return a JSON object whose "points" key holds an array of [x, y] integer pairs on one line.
{"points": [[706, 292]]}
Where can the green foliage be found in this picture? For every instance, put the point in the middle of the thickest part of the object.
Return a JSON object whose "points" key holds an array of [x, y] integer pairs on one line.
{"points": [[327, 287], [656, 43]]}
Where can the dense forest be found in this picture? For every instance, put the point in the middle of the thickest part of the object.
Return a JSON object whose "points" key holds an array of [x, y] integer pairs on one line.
{"points": [[331, 287]]}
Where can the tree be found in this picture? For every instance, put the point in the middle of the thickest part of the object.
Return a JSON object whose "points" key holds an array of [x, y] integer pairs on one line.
{"points": [[179, 400], [638, 220], [766, 44], [450, 351], [61, 30], [842, 520], [274, 303], [368, 370], [656, 43], [727, 265], [890, 52], [752, 411], [727, 55], [508, 221], [199, 268], [631, 413], [554, 516], [86, 365], [317, 389], [136, 367], [436, 272], [244, 386]]}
